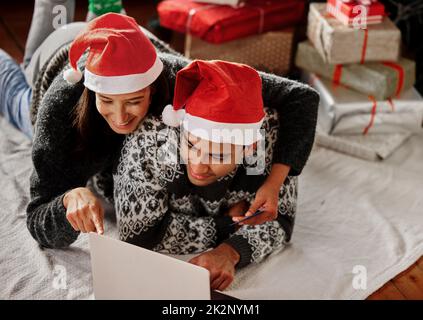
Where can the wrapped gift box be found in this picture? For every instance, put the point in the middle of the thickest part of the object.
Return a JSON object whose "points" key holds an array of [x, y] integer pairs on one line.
{"points": [[218, 24], [382, 80], [269, 52], [344, 111], [340, 44], [372, 146], [355, 14]]}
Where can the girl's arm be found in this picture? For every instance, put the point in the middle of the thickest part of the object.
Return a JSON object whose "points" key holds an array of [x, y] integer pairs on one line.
{"points": [[267, 196], [53, 175], [297, 105], [255, 242]]}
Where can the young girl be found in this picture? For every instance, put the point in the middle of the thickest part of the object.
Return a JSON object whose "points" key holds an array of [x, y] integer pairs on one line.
{"points": [[180, 207], [78, 132], [79, 127]]}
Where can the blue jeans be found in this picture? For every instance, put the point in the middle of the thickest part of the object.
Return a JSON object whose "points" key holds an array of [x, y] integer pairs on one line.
{"points": [[15, 94]]}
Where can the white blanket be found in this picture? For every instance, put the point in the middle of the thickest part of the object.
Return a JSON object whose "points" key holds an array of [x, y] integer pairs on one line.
{"points": [[351, 213]]}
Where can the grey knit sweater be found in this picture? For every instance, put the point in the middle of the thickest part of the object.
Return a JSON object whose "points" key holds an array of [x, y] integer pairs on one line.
{"points": [[56, 172]]}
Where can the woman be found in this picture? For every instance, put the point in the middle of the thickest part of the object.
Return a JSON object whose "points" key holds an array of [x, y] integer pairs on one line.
{"points": [[84, 131], [76, 138], [66, 153]]}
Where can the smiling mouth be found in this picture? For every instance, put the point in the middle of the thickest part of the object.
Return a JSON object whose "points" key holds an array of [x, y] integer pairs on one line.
{"points": [[198, 176], [124, 124]]}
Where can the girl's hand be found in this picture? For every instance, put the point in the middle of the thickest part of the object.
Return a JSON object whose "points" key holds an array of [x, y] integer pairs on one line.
{"points": [[267, 197], [220, 262], [238, 209], [84, 211]]}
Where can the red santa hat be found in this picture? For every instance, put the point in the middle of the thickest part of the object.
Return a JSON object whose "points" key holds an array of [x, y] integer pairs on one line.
{"points": [[121, 58], [223, 102]]}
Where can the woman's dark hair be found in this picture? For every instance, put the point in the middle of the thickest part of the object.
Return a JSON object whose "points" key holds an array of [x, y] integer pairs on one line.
{"points": [[94, 137]]}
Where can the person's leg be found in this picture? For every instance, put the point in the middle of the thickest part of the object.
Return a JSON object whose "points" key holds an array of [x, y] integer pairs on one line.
{"points": [[42, 24], [15, 94], [56, 40]]}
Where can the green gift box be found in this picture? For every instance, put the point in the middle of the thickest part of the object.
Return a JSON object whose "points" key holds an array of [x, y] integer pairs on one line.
{"points": [[381, 80]]}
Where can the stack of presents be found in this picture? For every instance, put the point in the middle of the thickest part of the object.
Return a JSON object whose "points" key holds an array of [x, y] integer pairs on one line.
{"points": [[369, 106], [259, 33], [352, 56]]}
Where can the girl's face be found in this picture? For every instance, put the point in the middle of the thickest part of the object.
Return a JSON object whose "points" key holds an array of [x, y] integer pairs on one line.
{"points": [[123, 112]]}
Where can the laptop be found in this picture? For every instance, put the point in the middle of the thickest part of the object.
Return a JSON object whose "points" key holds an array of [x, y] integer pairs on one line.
{"points": [[125, 271]]}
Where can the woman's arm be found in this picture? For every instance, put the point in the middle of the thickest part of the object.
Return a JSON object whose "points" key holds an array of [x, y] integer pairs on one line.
{"points": [[297, 105], [267, 196], [46, 213], [46, 218], [55, 173], [255, 242]]}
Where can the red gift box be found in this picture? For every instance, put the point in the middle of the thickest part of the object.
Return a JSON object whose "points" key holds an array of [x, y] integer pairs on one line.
{"points": [[349, 13], [217, 23]]}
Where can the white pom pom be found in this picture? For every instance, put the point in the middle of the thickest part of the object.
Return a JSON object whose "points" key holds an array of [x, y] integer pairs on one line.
{"points": [[171, 117], [72, 76]]}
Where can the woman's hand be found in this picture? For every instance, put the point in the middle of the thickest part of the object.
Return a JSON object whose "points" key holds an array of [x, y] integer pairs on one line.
{"points": [[220, 262], [238, 209], [84, 211], [267, 200], [267, 197]]}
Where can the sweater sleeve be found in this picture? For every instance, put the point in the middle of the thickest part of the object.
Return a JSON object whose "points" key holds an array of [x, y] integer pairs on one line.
{"points": [[46, 220], [50, 178], [297, 105], [141, 197]]}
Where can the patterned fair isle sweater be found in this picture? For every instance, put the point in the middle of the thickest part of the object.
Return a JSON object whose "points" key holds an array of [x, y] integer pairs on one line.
{"points": [[158, 208]]}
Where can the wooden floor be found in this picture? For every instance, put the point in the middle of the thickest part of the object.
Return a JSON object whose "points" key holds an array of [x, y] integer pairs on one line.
{"points": [[408, 285], [15, 20]]}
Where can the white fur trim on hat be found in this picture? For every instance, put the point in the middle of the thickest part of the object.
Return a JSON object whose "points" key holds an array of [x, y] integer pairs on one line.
{"points": [[219, 132], [172, 117], [123, 84], [72, 76]]}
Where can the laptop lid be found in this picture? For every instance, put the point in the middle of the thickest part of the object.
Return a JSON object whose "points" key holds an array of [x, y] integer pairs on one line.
{"points": [[125, 271]]}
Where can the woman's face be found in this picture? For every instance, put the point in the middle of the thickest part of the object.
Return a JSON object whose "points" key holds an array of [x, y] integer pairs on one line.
{"points": [[123, 112]]}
